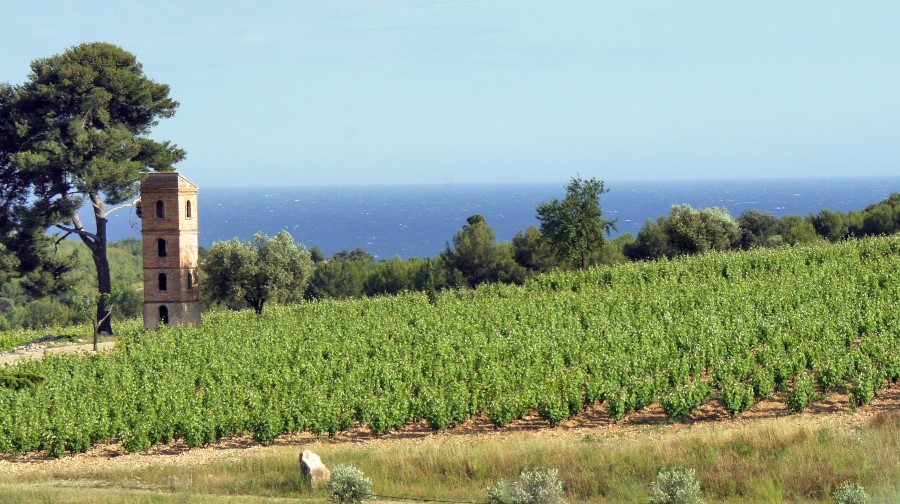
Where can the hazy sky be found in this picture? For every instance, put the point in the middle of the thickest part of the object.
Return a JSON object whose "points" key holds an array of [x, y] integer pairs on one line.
{"points": [[388, 92]]}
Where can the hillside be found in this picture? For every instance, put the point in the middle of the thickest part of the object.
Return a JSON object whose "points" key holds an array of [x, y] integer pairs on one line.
{"points": [[732, 327]]}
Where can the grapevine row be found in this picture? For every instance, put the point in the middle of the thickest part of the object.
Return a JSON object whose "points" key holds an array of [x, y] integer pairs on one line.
{"points": [[731, 327]]}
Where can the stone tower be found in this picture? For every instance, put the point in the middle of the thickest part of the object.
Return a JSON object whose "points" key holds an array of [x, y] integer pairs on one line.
{"points": [[170, 234]]}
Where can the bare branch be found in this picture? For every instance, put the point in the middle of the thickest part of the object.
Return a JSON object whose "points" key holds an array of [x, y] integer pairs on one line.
{"points": [[124, 205], [76, 230], [63, 237]]}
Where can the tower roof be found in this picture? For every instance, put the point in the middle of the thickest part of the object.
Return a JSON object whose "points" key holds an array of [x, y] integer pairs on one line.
{"points": [[166, 180]]}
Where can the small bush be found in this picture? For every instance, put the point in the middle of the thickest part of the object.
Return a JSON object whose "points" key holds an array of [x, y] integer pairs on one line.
{"points": [[685, 399], [349, 484], [802, 394], [553, 410], [266, 428], [675, 486], [763, 381], [850, 493], [831, 374], [737, 397], [867, 382], [534, 486], [135, 439], [619, 403]]}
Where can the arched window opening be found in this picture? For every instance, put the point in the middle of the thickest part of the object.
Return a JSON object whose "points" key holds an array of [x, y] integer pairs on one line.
{"points": [[187, 209], [161, 247], [160, 209], [163, 315], [190, 281], [163, 282]]}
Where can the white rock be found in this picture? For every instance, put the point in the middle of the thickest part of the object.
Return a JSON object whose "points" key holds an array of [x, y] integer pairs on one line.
{"points": [[313, 469]]}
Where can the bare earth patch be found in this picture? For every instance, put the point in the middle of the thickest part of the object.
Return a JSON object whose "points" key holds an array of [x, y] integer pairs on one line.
{"points": [[650, 422], [37, 349]]}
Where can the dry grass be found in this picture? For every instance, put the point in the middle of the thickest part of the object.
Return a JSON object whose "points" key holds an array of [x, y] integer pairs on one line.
{"points": [[44, 494], [771, 460]]}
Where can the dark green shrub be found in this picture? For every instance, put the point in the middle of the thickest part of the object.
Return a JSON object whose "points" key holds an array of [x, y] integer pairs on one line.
{"points": [[763, 381], [266, 428], [505, 409], [135, 440], [17, 380], [46, 312], [831, 374], [553, 410]]}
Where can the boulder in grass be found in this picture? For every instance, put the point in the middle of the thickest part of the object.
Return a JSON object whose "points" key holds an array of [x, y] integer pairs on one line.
{"points": [[313, 469]]}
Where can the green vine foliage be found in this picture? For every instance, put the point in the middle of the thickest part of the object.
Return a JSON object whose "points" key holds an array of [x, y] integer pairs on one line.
{"points": [[802, 393], [18, 380], [675, 332]]}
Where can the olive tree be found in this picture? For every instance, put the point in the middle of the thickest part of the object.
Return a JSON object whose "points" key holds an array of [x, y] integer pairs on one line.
{"points": [[694, 231], [268, 269]]}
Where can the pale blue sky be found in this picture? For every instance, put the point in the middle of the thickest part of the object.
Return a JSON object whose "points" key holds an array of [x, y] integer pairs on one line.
{"points": [[404, 92]]}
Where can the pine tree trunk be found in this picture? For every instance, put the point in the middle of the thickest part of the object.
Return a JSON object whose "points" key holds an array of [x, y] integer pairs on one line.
{"points": [[97, 245], [104, 287]]}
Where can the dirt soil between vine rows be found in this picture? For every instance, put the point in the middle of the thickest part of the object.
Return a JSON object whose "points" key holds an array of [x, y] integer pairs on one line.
{"points": [[651, 422]]}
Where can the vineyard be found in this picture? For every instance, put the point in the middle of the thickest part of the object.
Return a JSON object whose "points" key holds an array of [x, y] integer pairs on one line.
{"points": [[733, 327]]}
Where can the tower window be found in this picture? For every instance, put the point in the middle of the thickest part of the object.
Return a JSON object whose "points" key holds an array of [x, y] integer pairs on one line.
{"points": [[190, 281], [187, 209], [160, 209], [163, 282], [163, 315], [161, 248]]}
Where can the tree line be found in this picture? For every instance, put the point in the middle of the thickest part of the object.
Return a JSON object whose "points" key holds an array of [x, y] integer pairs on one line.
{"points": [[688, 230], [238, 274], [571, 235]]}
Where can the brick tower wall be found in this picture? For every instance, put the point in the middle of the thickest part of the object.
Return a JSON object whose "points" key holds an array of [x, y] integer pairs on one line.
{"points": [[177, 226]]}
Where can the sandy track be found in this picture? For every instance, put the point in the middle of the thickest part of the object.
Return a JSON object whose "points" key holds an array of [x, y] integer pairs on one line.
{"points": [[25, 352]]}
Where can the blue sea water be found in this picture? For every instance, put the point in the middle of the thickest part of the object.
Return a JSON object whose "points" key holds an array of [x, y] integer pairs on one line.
{"points": [[419, 220]]}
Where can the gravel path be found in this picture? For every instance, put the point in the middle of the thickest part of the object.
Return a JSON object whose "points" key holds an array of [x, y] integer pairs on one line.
{"points": [[38, 350]]}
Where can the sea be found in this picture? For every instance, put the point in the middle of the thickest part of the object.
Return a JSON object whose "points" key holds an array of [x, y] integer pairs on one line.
{"points": [[420, 220]]}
